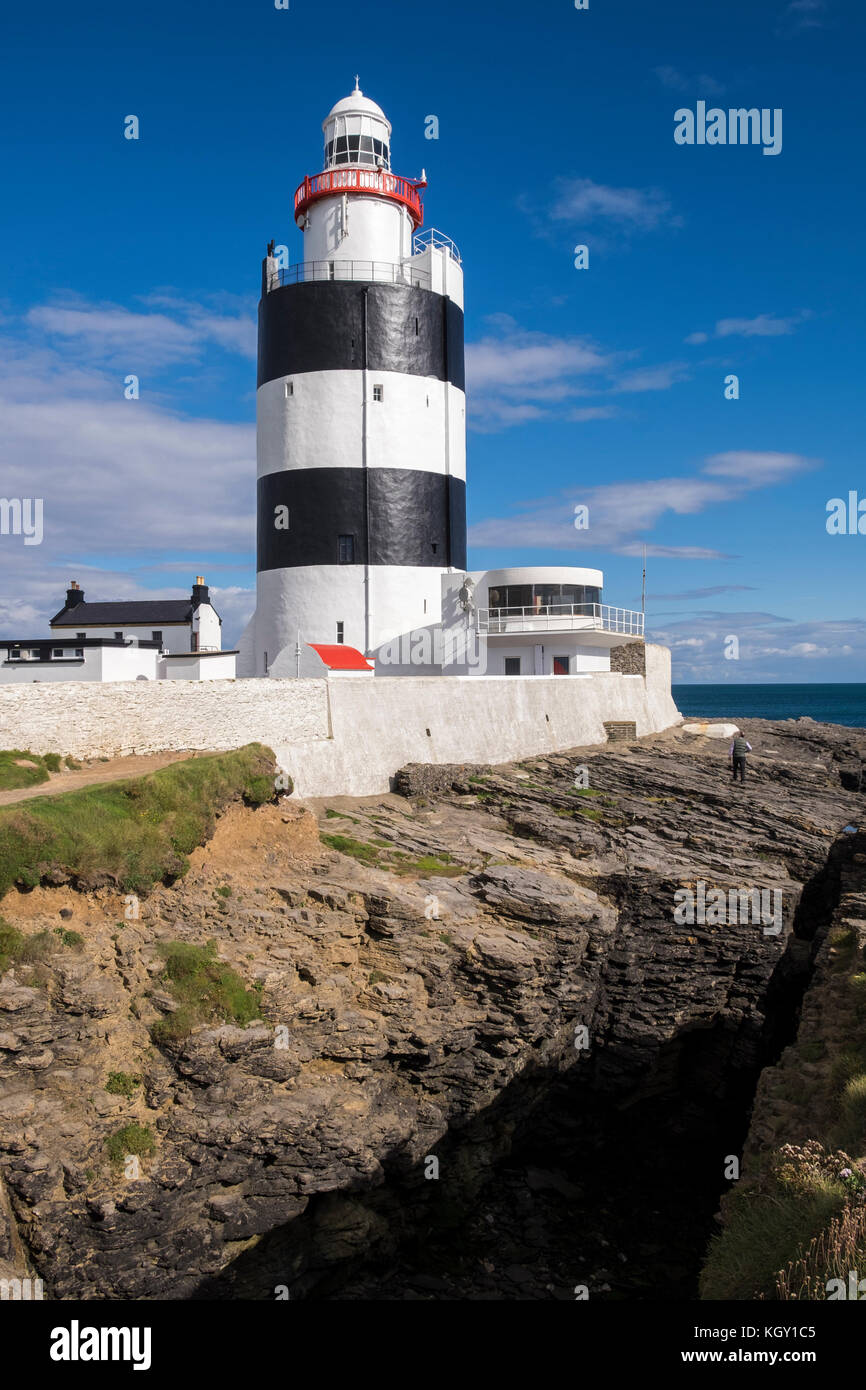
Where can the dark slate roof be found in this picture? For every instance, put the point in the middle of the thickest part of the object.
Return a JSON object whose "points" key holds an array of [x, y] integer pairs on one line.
{"points": [[135, 612]]}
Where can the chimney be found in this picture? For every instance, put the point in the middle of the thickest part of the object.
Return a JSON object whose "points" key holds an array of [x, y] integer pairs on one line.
{"points": [[200, 592], [74, 595]]}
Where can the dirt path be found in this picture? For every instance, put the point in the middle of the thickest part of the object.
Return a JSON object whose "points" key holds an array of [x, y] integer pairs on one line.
{"points": [[112, 771]]}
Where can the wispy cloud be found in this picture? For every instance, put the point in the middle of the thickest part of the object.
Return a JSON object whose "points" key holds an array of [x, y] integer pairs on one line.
{"points": [[516, 375], [587, 204], [623, 515], [712, 591], [659, 378], [763, 326], [801, 15], [771, 648], [115, 476], [140, 341], [676, 81]]}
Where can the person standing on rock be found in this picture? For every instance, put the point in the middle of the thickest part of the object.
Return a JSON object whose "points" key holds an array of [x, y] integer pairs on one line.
{"points": [[738, 750]]}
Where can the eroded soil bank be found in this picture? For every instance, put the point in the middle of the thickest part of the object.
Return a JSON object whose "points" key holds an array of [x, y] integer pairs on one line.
{"points": [[421, 972]]}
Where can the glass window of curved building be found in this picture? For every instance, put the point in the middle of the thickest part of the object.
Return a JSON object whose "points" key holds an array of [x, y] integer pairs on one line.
{"points": [[543, 598]]}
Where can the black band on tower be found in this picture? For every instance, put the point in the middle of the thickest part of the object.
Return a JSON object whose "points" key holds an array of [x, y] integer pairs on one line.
{"points": [[416, 518], [319, 326]]}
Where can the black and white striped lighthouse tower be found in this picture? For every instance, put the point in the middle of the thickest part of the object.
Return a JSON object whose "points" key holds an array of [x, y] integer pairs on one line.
{"points": [[361, 429]]}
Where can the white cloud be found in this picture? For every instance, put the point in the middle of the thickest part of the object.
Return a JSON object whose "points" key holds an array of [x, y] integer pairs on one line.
{"points": [[711, 592], [802, 15], [515, 376], [659, 378], [138, 341], [621, 515], [771, 648], [586, 203], [114, 476], [763, 326], [676, 81]]}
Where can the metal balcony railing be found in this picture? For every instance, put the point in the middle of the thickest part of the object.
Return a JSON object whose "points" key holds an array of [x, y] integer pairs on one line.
{"points": [[575, 617], [379, 272], [432, 237], [377, 183]]}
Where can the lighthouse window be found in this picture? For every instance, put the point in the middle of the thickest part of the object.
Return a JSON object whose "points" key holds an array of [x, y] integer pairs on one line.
{"points": [[346, 550], [378, 393], [290, 389], [340, 630]]}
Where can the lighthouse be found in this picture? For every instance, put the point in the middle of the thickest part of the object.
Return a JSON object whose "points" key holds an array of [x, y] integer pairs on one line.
{"points": [[361, 413]]}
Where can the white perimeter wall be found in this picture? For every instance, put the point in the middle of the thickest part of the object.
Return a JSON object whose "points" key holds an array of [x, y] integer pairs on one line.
{"points": [[379, 726], [347, 736]]}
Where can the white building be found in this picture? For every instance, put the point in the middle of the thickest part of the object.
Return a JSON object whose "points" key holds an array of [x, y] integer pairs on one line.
{"points": [[140, 639]]}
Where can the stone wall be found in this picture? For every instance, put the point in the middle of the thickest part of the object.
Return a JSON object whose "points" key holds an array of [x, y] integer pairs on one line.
{"points": [[340, 736], [91, 720], [629, 660]]}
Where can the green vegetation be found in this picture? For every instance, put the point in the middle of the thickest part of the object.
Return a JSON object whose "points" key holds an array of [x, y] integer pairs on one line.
{"points": [[356, 849], [381, 854], [71, 763], [132, 1139], [206, 990], [69, 938], [224, 891], [23, 769], [133, 833], [18, 949], [122, 1083], [803, 1221]]}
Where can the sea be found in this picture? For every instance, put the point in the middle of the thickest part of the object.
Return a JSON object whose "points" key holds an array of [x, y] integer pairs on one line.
{"points": [[826, 704]]}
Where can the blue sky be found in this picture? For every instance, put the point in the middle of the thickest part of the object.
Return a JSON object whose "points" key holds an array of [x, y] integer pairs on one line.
{"points": [[602, 386]]}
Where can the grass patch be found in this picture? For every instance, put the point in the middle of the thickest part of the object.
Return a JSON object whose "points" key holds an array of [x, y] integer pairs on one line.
{"points": [[764, 1232], [207, 991], [73, 939], [224, 891], [843, 938], [20, 768], [132, 1139], [381, 854], [133, 833], [438, 865], [18, 949], [122, 1083], [356, 849]]}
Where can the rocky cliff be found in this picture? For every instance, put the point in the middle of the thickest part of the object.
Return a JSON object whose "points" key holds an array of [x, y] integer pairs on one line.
{"points": [[490, 968]]}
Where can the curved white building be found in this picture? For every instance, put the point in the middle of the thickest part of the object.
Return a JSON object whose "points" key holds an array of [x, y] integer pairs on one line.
{"points": [[361, 411]]}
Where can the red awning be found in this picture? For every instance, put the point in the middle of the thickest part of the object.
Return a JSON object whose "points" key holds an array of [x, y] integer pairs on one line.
{"points": [[338, 657]]}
